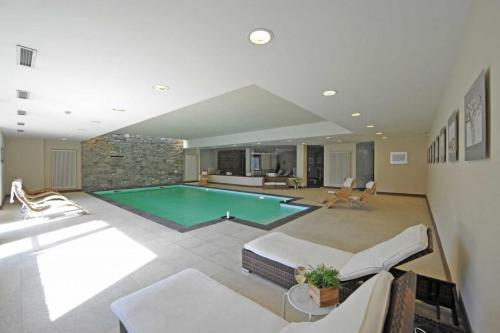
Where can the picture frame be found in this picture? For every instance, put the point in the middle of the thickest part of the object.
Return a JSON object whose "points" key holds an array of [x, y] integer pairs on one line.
{"points": [[436, 150], [453, 136], [1, 154], [431, 148], [442, 145], [475, 120]]}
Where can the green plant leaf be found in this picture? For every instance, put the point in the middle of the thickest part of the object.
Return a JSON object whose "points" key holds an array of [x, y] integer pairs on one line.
{"points": [[323, 277]]}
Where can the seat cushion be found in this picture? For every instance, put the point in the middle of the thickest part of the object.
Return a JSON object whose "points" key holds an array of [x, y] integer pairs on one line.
{"points": [[275, 183], [294, 252], [385, 255], [362, 312], [190, 301]]}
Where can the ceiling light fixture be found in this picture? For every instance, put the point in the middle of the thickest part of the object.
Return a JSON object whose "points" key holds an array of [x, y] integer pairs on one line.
{"points": [[63, 139], [370, 126], [160, 87], [260, 36], [383, 138], [356, 114], [67, 112], [379, 133], [329, 93], [20, 123], [118, 109]]}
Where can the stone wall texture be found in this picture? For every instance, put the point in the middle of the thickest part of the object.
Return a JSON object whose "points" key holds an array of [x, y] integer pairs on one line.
{"points": [[115, 161]]}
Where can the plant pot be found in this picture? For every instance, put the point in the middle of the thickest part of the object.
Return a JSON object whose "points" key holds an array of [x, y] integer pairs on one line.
{"points": [[324, 296]]}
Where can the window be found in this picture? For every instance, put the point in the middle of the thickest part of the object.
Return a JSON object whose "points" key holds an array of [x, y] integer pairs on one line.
{"points": [[256, 162]]}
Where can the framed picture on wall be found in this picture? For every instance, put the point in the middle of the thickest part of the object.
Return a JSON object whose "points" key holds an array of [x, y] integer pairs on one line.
{"points": [[453, 137], [1, 154], [436, 150], [431, 151], [442, 145], [475, 125]]}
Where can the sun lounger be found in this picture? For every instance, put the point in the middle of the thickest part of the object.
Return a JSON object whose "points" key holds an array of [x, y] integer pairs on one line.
{"points": [[275, 256], [358, 200], [190, 301]]}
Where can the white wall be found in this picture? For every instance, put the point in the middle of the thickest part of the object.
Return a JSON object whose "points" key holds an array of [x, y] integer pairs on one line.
{"points": [[464, 196], [31, 160], [2, 170], [302, 163]]}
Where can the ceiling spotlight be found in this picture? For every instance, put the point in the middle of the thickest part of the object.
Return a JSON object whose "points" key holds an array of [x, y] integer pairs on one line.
{"points": [[329, 93], [260, 36], [370, 126], [20, 131], [379, 133], [160, 87], [96, 121], [118, 109], [328, 137], [356, 114], [67, 112], [63, 139], [20, 123], [383, 138]]}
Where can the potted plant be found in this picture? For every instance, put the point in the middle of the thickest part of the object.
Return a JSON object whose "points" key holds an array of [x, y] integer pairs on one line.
{"points": [[324, 283]]}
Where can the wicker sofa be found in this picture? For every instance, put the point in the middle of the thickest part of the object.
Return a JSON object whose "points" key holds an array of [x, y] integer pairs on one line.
{"points": [[272, 256], [190, 301], [274, 182]]}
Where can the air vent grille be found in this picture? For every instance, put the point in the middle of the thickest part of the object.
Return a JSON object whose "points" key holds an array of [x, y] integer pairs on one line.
{"points": [[23, 94], [21, 112], [25, 56], [19, 123]]}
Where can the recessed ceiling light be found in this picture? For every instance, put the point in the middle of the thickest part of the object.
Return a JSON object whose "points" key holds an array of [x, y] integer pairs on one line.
{"points": [[356, 114], [383, 138], [370, 126], [20, 131], [160, 87], [63, 139], [328, 137], [379, 133], [80, 130], [329, 93], [260, 36], [67, 112], [20, 123], [96, 121], [118, 109], [258, 143], [339, 141]]}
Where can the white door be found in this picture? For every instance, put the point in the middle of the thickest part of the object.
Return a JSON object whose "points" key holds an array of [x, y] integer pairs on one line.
{"points": [[63, 169], [340, 167], [190, 167]]}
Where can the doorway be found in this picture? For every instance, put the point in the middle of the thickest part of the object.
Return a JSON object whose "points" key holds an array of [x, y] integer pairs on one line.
{"points": [[315, 167], [190, 167], [364, 163]]}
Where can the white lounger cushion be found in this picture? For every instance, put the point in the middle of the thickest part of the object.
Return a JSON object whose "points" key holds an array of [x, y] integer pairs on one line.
{"points": [[190, 301], [294, 252], [275, 183], [386, 254], [362, 312]]}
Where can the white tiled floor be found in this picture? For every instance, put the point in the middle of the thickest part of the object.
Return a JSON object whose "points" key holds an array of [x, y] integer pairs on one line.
{"points": [[61, 273]]}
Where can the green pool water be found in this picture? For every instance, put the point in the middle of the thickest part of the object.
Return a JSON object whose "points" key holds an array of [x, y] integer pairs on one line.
{"points": [[191, 205]]}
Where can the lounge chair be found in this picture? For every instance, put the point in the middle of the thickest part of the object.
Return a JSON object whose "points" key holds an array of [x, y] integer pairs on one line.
{"points": [[275, 256], [49, 204], [344, 191], [190, 301], [37, 195], [358, 200]]}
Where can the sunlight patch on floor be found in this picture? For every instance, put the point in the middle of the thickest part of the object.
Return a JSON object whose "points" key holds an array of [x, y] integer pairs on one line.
{"points": [[34, 222], [74, 272], [15, 247]]}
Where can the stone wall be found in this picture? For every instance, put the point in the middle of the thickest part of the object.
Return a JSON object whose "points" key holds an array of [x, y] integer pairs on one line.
{"points": [[114, 161]]}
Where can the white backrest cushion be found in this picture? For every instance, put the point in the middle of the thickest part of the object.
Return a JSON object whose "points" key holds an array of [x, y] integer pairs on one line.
{"points": [[385, 255], [370, 184], [348, 182], [362, 312]]}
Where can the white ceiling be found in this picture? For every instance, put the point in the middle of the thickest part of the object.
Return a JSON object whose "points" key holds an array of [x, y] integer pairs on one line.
{"points": [[389, 60]]}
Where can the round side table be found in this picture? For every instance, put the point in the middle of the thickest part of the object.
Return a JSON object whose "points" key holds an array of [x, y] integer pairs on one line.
{"points": [[298, 297]]}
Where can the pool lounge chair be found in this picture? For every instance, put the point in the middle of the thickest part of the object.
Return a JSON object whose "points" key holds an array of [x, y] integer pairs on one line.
{"points": [[358, 200], [275, 256], [50, 204], [190, 301], [37, 195], [344, 191]]}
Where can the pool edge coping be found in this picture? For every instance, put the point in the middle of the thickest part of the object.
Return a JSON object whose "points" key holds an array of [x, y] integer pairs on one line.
{"points": [[173, 225]]}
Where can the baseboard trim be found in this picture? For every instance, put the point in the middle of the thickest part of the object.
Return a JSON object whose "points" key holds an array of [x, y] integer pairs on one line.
{"points": [[403, 194], [446, 268]]}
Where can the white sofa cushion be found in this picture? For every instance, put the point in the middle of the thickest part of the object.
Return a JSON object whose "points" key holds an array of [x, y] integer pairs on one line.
{"points": [[362, 312], [385, 255], [190, 301], [275, 183], [294, 252]]}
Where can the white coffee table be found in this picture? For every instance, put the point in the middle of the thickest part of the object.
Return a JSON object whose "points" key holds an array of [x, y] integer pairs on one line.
{"points": [[298, 297]]}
